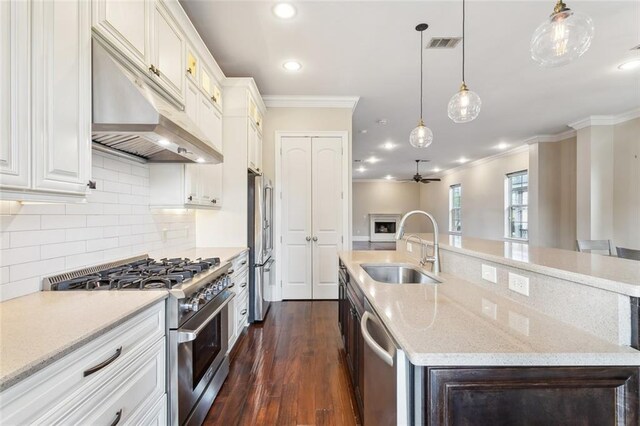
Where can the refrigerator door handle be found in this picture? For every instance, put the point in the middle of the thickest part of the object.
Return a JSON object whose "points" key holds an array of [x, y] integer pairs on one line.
{"points": [[267, 266]]}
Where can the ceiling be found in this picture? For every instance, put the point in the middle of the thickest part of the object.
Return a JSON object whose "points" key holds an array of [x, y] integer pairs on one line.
{"points": [[370, 50]]}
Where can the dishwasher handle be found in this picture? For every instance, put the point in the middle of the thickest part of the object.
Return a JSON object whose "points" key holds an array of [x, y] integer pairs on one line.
{"points": [[375, 347]]}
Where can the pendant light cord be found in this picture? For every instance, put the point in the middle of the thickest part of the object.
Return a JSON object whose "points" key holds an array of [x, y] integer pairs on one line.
{"points": [[464, 39], [421, 96]]}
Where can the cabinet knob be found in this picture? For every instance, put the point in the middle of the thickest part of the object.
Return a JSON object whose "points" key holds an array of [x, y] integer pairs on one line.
{"points": [[91, 184], [214, 201], [190, 198], [189, 71], [214, 99]]}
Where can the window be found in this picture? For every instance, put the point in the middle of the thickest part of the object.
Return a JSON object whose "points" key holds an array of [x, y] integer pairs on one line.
{"points": [[455, 220], [517, 200]]}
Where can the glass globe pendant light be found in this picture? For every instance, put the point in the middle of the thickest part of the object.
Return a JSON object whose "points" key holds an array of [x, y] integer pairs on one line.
{"points": [[465, 105], [561, 38], [421, 136]]}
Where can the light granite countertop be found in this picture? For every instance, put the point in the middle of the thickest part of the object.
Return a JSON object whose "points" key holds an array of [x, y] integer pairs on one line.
{"points": [[457, 323], [605, 272], [40, 328]]}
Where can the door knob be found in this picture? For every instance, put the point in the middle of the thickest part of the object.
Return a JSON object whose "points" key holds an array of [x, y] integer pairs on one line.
{"points": [[308, 238], [315, 238]]}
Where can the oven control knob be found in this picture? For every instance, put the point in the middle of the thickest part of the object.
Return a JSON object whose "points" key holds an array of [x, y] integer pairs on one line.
{"points": [[209, 293], [193, 305]]}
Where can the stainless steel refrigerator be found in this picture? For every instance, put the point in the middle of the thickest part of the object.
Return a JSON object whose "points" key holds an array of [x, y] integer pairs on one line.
{"points": [[260, 232]]}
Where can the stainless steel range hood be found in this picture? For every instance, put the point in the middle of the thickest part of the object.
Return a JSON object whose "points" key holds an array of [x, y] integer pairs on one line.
{"points": [[130, 115]]}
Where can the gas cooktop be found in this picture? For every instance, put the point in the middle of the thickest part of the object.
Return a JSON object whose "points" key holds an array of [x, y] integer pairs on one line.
{"points": [[139, 274]]}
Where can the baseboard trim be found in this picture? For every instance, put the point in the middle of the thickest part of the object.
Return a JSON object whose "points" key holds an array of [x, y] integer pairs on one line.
{"points": [[360, 238]]}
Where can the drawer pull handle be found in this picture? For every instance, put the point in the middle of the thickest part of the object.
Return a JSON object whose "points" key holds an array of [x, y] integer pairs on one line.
{"points": [[244, 262], [103, 364], [118, 417], [242, 312], [232, 285], [244, 284]]}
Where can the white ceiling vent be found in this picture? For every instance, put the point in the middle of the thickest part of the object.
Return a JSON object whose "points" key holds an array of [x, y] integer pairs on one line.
{"points": [[443, 42]]}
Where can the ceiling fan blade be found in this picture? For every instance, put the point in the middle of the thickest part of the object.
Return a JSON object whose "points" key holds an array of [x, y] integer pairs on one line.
{"points": [[427, 180]]}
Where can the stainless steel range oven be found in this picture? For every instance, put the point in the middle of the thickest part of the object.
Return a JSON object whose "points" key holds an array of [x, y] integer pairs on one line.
{"points": [[197, 321], [198, 350]]}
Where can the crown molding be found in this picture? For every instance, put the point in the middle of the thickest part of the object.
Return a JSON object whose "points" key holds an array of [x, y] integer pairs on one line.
{"points": [[550, 138], [605, 120], [302, 101], [517, 150]]}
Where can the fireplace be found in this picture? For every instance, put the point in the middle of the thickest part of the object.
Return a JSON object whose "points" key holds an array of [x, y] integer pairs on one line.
{"points": [[383, 227]]}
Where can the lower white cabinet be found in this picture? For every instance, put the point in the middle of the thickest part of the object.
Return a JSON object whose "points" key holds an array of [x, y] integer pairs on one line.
{"points": [[45, 99], [121, 375], [185, 185], [239, 306]]}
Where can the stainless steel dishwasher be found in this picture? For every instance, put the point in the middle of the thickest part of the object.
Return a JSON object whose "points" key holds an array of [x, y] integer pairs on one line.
{"points": [[385, 393]]}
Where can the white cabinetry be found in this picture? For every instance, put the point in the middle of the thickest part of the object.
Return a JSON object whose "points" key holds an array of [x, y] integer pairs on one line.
{"points": [[46, 118], [185, 185], [145, 33], [125, 25], [239, 305], [167, 51], [120, 375]]}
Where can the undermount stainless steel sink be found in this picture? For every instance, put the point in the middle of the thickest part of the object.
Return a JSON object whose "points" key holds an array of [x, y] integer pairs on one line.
{"points": [[398, 274]]}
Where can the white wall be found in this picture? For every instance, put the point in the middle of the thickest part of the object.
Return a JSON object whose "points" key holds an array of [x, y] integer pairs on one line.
{"points": [[38, 240], [626, 181], [385, 197], [482, 195]]}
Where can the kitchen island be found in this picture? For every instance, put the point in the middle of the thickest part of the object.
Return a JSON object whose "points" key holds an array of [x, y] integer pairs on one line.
{"points": [[473, 352]]}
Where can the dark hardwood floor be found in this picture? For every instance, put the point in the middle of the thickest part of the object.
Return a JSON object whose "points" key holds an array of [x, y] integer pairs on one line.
{"points": [[290, 370]]}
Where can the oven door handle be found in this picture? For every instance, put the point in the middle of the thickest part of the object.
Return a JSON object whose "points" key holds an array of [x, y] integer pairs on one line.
{"points": [[185, 335]]}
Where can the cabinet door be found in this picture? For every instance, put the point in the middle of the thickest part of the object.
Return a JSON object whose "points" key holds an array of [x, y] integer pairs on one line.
{"points": [[210, 122], [258, 151], [211, 184], [192, 183], [126, 26], [168, 51], [192, 65], [251, 144], [14, 94], [61, 94], [192, 101]]}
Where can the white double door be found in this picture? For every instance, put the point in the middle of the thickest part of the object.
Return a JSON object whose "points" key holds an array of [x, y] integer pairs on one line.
{"points": [[312, 216]]}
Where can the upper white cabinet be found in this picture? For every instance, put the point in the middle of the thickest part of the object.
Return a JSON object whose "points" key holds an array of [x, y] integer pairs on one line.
{"points": [[125, 24], [167, 51], [185, 185], [14, 94], [46, 113], [145, 33]]}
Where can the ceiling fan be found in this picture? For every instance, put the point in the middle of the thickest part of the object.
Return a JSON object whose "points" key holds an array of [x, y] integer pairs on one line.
{"points": [[418, 177]]}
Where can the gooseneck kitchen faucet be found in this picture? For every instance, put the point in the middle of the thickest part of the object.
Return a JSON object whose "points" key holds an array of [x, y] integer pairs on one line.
{"points": [[435, 259]]}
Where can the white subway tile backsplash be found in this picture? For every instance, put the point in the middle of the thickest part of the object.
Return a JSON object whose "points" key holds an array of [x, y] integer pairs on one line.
{"points": [[82, 234], [58, 221], [14, 256], [49, 251], [38, 240], [35, 269], [19, 223]]}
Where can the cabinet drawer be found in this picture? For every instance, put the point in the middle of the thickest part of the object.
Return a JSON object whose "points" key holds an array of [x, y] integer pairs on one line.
{"points": [[240, 263], [242, 311], [122, 396], [154, 416], [39, 393], [240, 283]]}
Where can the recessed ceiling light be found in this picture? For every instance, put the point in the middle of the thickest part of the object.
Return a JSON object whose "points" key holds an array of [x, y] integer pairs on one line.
{"points": [[388, 146], [631, 64], [388, 177], [363, 131], [200, 160], [462, 160], [164, 142], [372, 160], [436, 170], [284, 10], [502, 145], [292, 66], [361, 169], [382, 121]]}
